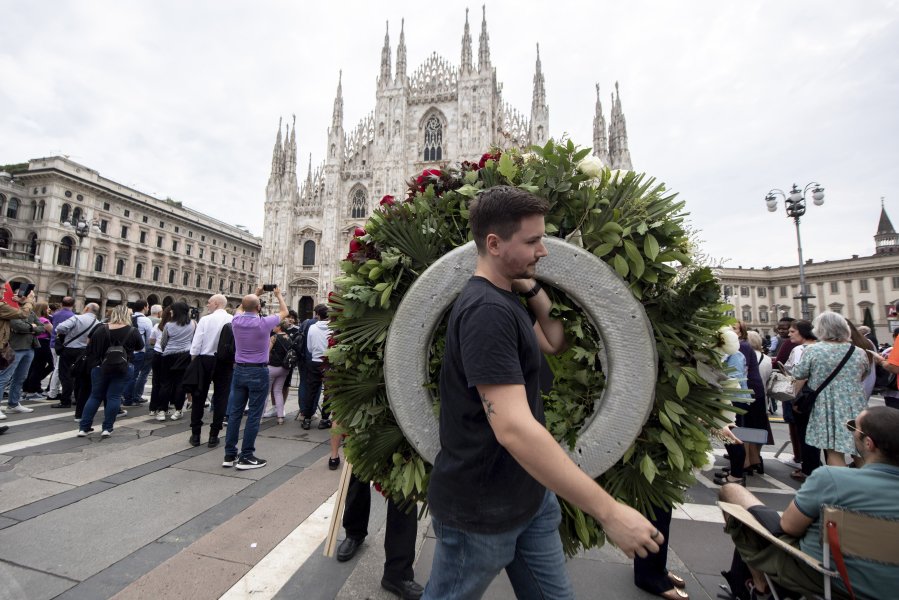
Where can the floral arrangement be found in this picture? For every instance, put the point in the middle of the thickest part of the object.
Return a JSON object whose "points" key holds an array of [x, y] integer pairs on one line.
{"points": [[625, 218]]}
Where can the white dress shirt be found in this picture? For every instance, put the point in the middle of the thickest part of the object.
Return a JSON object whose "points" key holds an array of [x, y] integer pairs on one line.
{"points": [[206, 337]]}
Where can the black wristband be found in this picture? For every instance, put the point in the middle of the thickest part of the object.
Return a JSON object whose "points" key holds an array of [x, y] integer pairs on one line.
{"points": [[531, 292]]}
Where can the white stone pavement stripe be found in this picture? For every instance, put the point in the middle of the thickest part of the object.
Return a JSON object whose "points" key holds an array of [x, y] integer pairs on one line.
{"points": [[55, 437], [266, 579]]}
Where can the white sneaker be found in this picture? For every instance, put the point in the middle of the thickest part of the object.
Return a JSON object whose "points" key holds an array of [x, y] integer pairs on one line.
{"points": [[82, 433], [176, 415], [105, 433], [207, 404], [2, 415], [160, 415], [18, 408], [268, 414], [122, 413]]}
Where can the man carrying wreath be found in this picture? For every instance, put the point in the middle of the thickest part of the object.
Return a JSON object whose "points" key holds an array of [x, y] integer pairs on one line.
{"points": [[493, 485]]}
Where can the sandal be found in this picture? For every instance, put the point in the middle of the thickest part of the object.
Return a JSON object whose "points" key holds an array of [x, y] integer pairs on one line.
{"points": [[675, 593], [730, 479], [676, 580], [280, 420], [798, 475]]}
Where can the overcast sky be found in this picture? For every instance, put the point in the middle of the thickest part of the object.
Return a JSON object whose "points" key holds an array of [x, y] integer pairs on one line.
{"points": [[724, 100]]}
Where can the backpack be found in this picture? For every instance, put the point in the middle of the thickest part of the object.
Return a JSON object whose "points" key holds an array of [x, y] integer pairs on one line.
{"points": [[299, 343], [115, 361], [226, 349], [290, 358]]}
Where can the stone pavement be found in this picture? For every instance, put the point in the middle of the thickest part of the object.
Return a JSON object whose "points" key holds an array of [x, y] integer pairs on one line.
{"points": [[144, 515]]}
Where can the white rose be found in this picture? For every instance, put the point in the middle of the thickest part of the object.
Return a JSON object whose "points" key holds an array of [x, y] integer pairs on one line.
{"points": [[728, 341], [618, 174], [590, 166]]}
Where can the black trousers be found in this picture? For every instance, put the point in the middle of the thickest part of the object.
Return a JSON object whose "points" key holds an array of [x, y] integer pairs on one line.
{"points": [[66, 359], [811, 456], [651, 573], [399, 540], [41, 366], [218, 375], [157, 402], [172, 372]]}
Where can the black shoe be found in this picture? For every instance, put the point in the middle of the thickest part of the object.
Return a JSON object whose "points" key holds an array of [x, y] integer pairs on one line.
{"points": [[195, 440], [250, 462], [229, 461], [723, 472], [333, 463], [307, 423], [4, 429], [324, 424], [406, 589], [213, 441], [61, 405], [348, 548]]}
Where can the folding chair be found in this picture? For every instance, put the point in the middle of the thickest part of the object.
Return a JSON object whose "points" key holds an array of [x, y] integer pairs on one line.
{"points": [[855, 534], [745, 517]]}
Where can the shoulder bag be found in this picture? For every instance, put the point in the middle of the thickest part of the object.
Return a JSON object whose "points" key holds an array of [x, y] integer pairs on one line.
{"points": [[805, 399]]}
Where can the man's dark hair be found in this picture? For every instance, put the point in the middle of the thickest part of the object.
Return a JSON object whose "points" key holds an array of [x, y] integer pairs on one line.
{"points": [[804, 328], [292, 313], [68, 301], [139, 306], [881, 424], [786, 320], [499, 210], [321, 310]]}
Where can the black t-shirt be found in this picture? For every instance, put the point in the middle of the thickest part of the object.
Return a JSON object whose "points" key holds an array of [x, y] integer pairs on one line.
{"points": [[476, 485], [103, 337]]}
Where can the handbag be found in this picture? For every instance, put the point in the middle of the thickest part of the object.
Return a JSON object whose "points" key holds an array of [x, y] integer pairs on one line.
{"points": [[805, 399], [780, 386]]}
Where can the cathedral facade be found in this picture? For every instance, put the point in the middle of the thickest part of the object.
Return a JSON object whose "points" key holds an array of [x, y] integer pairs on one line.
{"points": [[439, 115]]}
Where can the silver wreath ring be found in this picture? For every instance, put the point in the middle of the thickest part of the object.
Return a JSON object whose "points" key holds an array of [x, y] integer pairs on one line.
{"points": [[628, 353]]}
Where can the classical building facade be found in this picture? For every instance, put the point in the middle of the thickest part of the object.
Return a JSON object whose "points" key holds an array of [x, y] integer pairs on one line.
{"points": [[139, 247], [440, 114], [849, 286]]}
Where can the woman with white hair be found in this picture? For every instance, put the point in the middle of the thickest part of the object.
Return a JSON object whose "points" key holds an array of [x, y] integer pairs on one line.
{"points": [[844, 396]]}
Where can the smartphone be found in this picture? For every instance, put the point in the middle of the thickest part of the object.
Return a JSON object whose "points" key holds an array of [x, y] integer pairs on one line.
{"points": [[21, 289], [753, 436], [269, 287]]}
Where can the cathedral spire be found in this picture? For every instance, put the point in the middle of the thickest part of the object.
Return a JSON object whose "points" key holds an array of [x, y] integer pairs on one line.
{"points": [[619, 154], [484, 44], [277, 160], [291, 154], [539, 110], [337, 118], [600, 137], [466, 67], [384, 79], [886, 240], [401, 54]]}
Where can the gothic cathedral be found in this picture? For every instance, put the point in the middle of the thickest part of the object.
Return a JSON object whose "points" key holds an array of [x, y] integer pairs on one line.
{"points": [[441, 114]]}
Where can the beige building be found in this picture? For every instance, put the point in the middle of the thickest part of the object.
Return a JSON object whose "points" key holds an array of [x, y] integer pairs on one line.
{"points": [[137, 247], [849, 286]]}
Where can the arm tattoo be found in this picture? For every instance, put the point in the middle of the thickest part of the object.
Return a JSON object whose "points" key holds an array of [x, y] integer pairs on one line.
{"points": [[488, 406]]}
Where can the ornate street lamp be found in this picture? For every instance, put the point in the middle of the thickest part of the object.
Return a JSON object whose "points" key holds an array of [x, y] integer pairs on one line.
{"points": [[794, 203], [82, 228]]}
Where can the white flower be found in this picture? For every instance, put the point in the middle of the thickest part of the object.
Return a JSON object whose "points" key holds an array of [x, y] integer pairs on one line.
{"points": [[590, 166], [728, 342], [618, 174], [529, 157]]}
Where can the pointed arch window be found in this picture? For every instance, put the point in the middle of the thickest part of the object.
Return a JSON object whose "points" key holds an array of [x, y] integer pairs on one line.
{"points": [[12, 209], [433, 139], [98, 263], [77, 213], [198, 280], [171, 275], [64, 253], [32, 245], [120, 267], [358, 204], [64, 212], [155, 273], [138, 270], [185, 279], [308, 253]]}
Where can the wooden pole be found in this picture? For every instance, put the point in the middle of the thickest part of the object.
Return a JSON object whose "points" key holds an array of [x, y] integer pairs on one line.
{"points": [[337, 513]]}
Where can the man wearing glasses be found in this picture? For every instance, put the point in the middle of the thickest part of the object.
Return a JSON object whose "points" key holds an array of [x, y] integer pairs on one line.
{"points": [[871, 490]]}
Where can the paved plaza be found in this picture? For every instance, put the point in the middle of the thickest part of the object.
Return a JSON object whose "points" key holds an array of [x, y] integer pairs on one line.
{"points": [[143, 514]]}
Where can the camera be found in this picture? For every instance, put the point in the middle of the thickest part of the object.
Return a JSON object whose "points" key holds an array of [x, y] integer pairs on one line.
{"points": [[269, 287], [194, 313]]}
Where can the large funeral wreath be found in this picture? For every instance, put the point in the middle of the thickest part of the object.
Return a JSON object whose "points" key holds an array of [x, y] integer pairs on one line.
{"points": [[625, 218]]}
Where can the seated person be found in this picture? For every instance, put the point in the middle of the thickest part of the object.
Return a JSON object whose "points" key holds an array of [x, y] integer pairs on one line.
{"points": [[871, 490]]}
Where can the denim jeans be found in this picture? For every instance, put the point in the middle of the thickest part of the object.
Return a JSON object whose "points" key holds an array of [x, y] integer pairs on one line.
{"points": [[104, 387], [248, 384], [134, 389], [465, 562], [14, 375]]}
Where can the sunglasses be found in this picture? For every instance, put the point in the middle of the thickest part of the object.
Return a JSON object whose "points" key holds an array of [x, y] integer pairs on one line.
{"points": [[850, 425]]}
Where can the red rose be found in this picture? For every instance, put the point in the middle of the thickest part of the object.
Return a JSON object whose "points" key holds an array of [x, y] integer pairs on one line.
{"points": [[355, 246], [427, 174], [487, 156], [387, 201], [358, 232], [331, 342], [330, 296]]}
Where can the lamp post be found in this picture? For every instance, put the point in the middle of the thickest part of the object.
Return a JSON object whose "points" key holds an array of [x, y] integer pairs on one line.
{"points": [[794, 203], [82, 229]]}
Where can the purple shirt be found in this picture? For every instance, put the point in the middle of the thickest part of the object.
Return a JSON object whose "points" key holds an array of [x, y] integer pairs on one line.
{"points": [[58, 317], [251, 337]]}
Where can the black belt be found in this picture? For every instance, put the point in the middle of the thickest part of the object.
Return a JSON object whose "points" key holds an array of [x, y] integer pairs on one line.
{"points": [[251, 364]]}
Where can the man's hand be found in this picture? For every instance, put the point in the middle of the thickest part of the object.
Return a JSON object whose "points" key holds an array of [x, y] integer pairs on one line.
{"points": [[259, 291], [631, 531], [520, 286]]}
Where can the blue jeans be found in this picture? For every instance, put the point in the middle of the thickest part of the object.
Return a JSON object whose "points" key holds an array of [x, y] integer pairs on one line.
{"points": [[14, 375], [134, 389], [465, 562], [248, 384], [108, 387]]}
